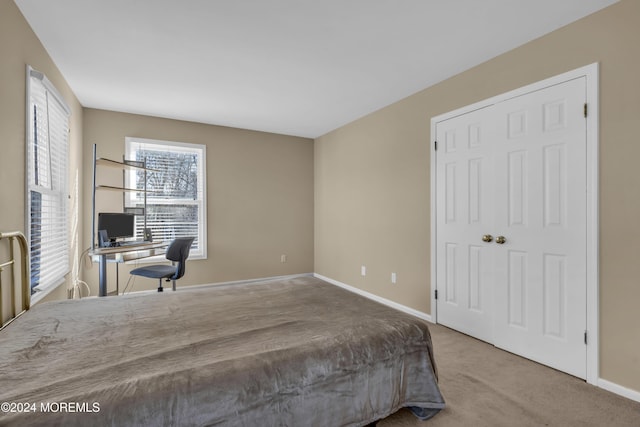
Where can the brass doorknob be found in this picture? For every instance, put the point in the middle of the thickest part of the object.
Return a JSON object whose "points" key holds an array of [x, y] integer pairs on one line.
{"points": [[487, 238], [500, 240]]}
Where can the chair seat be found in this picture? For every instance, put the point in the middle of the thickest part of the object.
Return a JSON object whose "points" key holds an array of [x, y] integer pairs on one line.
{"points": [[156, 271], [178, 252]]}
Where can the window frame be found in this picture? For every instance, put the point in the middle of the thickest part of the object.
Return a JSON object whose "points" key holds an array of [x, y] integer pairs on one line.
{"points": [[62, 251], [201, 203]]}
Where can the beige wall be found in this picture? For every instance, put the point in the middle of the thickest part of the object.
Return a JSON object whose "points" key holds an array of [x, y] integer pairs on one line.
{"points": [[259, 196], [20, 47], [372, 178]]}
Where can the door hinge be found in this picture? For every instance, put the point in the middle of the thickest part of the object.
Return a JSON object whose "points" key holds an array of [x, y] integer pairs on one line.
{"points": [[435, 145], [436, 294], [585, 337], [585, 109]]}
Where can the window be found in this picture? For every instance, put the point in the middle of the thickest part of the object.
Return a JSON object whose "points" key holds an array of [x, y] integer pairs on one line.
{"points": [[47, 176], [176, 190]]}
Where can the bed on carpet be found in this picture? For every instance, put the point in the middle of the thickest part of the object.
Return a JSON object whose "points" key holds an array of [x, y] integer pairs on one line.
{"points": [[293, 352]]}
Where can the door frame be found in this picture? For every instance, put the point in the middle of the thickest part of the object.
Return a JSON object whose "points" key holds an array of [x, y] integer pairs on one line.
{"points": [[591, 73]]}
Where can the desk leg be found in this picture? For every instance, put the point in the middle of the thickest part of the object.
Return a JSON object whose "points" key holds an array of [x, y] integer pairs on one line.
{"points": [[102, 276]]}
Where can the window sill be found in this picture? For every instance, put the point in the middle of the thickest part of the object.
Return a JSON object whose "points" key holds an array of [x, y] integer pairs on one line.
{"points": [[41, 293]]}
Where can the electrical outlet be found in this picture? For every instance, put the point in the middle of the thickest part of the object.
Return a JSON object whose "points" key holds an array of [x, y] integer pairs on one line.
{"points": [[363, 270], [283, 258], [393, 278]]}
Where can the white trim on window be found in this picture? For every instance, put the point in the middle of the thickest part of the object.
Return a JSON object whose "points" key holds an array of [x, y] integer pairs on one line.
{"points": [[46, 183], [190, 215]]}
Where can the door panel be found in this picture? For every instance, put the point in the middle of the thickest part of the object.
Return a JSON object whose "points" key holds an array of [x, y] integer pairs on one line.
{"points": [[464, 206], [540, 282], [554, 291], [517, 289], [517, 188]]}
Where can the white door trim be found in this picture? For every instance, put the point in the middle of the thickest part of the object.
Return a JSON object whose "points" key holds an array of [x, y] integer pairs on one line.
{"points": [[590, 72]]}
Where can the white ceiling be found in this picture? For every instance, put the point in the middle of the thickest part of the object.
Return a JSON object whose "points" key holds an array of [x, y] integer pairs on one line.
{"points": [[296, 67]]}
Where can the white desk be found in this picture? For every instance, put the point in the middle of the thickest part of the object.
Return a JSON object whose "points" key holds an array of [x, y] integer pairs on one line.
{"points": [[123, 253]]}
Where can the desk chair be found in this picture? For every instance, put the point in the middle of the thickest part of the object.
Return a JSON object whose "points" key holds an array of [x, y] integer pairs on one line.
{"points": [[178, 251]]}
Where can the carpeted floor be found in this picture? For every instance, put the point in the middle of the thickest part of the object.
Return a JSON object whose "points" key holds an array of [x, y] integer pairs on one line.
{"points": [[485, 386]]}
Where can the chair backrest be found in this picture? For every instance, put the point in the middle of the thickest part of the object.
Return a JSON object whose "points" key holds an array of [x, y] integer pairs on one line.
{"points": [[178, 251]]}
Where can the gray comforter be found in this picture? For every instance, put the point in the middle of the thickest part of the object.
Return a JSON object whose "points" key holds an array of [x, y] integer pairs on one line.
{"points": [[296, 352]]}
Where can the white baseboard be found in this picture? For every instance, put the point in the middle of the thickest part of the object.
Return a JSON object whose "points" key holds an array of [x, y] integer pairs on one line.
{"points": [[619, 390], [392, 304]]}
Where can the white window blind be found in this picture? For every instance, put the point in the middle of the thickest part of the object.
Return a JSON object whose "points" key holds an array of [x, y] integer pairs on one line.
{"points": [[47, 175], [176, 195]]}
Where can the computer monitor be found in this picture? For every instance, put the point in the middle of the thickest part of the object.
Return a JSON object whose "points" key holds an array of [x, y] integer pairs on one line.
{"points": [[116, 225]]}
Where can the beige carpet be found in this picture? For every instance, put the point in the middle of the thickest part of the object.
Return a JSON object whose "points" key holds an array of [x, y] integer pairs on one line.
{"points": [[485, 386]]}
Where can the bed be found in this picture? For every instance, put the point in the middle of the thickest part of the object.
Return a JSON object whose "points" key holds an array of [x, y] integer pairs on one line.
{"points": [[289, 352]]}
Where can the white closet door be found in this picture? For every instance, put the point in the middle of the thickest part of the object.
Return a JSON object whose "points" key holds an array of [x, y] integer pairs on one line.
{"points": [[516, 171], [540, 274], [465, 204]]}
